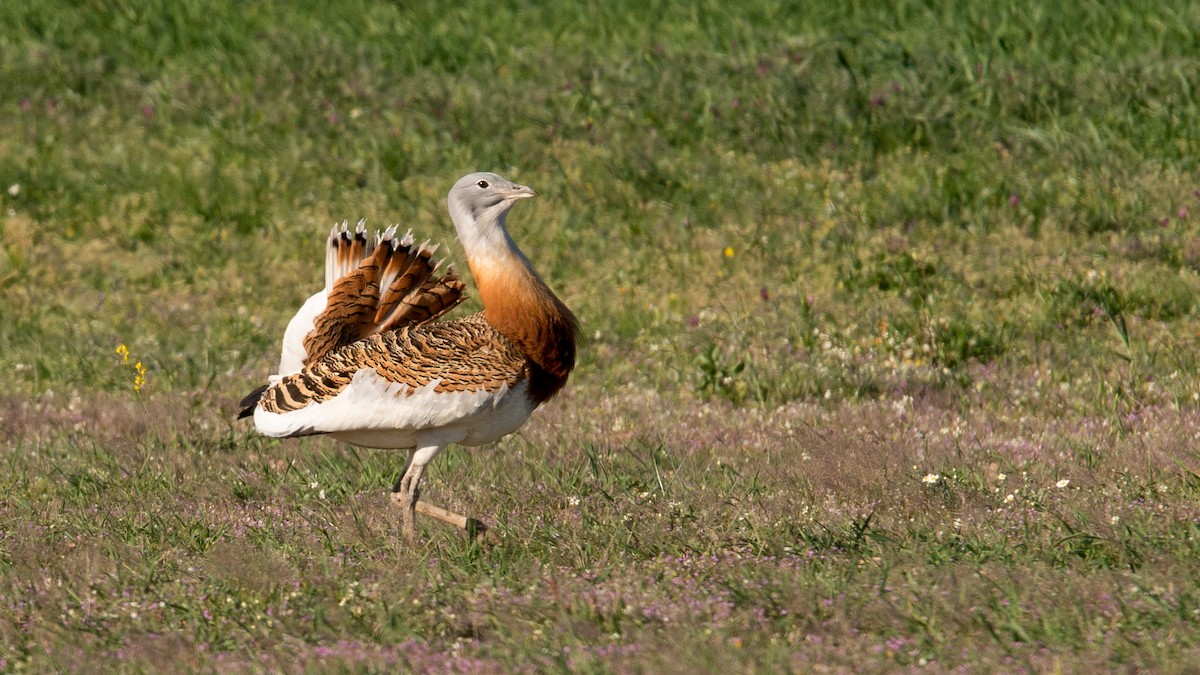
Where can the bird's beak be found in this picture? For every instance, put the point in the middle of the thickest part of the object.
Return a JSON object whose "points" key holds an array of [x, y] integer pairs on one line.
{"points": [[521, 192]]}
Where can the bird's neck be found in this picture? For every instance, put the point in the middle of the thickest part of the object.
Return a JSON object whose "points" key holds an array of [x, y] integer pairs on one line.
{"points": [[519, 304]]}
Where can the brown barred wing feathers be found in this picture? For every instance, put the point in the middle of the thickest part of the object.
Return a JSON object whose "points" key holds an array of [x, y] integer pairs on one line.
{"points": [[464, 355]]}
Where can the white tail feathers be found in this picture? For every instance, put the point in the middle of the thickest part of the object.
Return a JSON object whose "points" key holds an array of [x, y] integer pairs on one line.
{"points": [[345, 250]]}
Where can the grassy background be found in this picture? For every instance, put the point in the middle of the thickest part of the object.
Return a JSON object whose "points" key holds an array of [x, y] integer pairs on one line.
{"points": [[862, 284]]}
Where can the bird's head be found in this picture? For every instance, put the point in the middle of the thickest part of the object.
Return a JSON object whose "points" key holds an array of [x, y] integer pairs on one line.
{"points": [[486, 196]]}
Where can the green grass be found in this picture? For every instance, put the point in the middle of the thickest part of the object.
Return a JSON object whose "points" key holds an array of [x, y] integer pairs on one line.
{"points": [[819, 252]]}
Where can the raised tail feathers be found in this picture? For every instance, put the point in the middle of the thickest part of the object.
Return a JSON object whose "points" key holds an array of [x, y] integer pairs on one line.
{"points": [[345, 250], [379, 283], [436, 295]]}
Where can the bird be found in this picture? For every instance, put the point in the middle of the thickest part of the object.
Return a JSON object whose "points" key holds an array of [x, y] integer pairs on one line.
{"points": [[367, 361]]}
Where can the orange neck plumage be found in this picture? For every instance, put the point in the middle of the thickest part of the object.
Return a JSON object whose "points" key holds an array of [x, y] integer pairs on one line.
{"points": [[520, 305]]}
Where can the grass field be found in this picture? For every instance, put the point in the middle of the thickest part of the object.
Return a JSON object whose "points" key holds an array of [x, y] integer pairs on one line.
{"points": [[891, 356]]}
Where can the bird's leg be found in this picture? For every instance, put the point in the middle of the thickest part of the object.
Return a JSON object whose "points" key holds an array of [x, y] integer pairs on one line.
{"points": [[400, 479], [406, 494]]}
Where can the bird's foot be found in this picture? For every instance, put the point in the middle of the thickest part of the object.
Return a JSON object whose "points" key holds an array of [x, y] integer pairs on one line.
{"points": [[475, 528]]}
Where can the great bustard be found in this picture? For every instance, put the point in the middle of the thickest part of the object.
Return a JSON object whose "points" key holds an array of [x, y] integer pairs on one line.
{"points": [[365, 361]]}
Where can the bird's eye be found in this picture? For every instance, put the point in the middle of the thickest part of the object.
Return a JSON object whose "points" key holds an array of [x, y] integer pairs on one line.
{"points": [[482, 183]]}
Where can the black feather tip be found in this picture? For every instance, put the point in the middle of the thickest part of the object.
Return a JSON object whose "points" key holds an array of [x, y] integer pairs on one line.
{"points": [[249, 403]]}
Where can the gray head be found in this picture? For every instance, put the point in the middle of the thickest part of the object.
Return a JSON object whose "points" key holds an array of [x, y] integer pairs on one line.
{"points": [[484, 194], [478, 203]]}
